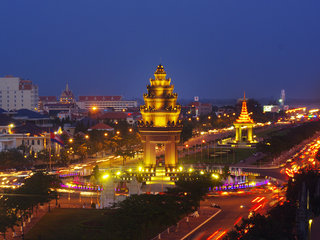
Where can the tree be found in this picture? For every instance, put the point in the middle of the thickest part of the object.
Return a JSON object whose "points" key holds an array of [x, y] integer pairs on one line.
{"points": [[17, 204], [277, 224], [8, 219], [43, 155], [96, 174], [186, 131], [126, 145], [225, 172], [64, 158], [193, 187], [143, 215], [311, 179], [13, 158]]}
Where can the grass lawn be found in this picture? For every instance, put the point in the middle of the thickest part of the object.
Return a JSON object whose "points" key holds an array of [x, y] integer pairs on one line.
{"points": [[93, 224], [70, 224], [276, 130], [218, 156]]}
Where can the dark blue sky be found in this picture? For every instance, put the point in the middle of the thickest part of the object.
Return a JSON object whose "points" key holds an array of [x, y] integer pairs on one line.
{"points": [[214, 48]]}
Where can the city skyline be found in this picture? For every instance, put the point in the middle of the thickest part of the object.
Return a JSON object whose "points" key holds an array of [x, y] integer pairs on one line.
{"points": [[214, 49]]}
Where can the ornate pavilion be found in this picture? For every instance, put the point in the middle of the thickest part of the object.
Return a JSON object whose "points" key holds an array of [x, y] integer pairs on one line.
{"points": [[244, 124]]}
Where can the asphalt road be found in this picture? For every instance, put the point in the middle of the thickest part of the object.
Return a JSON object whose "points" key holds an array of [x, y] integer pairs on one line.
{"points": [[231, 213]]}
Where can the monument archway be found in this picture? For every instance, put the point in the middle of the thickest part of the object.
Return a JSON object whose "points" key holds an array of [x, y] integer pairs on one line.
{"points": [[169, 138], [160, 120]]}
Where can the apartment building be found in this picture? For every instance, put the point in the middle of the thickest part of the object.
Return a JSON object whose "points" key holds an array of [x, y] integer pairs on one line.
{"points": [[16, 93]]}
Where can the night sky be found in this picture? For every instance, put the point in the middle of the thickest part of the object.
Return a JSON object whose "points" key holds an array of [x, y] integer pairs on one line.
{"points": [[213, 49]]}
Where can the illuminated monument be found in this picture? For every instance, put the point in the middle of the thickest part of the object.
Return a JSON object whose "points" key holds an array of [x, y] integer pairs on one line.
{"points": [[244, 120], [160, 124]]}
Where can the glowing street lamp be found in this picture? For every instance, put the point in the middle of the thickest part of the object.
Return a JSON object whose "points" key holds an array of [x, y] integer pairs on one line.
{"points": [[70, 140], [215, 176], [187, 146], [86, 136], [94, 108], [106, 176], [10, 128], [203, 141]]}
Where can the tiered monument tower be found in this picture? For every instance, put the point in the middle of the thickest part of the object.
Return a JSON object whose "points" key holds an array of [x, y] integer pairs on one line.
{"points": [[160, 120], [243, 120]]}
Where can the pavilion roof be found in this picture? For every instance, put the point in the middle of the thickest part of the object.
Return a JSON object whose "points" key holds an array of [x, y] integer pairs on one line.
{"points": [[244, 116]]}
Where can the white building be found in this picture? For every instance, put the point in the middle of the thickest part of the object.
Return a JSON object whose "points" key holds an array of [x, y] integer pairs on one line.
{"points": [[104, 102], [16, 93], [35, 143]]}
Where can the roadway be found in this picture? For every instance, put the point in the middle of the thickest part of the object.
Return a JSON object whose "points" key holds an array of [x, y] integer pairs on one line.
{"points": [[234, 207]]}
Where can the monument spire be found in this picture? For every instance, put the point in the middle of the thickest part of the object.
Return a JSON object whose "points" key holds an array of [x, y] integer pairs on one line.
{"points": [[244, 116], [160, 119]]}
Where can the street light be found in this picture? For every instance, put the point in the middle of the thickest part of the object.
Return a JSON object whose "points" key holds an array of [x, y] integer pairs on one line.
{"points": [[86, 136], [10, 128], [215, 176], [106, 176], [187, 146], [70, 140], [203, 141]]}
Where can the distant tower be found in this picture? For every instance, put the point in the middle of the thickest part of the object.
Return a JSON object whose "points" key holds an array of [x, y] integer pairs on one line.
{"points": [[282, 98], [67, 96], [243, 120], [160, 122]]}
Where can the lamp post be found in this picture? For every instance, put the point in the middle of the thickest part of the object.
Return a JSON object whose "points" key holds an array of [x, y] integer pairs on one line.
{"points": [[214, 151], [203, 141], [187, 146]]}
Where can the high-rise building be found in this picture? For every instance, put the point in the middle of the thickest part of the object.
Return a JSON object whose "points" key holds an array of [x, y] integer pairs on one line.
{"points": [[282, 98], [16, 93]]}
